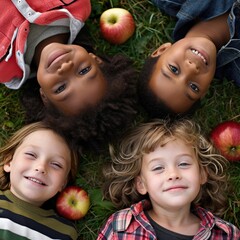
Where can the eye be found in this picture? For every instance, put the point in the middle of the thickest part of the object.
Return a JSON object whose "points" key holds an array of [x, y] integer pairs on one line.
{"points": [[194, 87], [56, 165], [85, 70], [173, 69], [30, 155], [158, 168], [184, 164], [60, 88]]}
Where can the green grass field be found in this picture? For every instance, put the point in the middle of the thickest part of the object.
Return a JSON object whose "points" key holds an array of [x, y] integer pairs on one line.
{"points": [[152, 29]]}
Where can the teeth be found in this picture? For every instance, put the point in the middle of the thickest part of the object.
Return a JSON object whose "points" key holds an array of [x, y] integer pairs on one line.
{"points": [[35, 180], [196, 52]]}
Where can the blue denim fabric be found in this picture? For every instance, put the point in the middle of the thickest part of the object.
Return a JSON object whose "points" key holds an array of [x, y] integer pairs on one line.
{"points": [[187, 12]]}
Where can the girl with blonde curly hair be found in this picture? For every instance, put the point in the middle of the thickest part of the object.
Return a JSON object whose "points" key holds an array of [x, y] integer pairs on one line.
{"points": [[173, 183]]}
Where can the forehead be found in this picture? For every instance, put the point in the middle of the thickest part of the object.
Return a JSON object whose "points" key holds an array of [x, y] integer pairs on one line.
{"points": [[171, 147], [43, 134], [46, 140], [167, 135]]}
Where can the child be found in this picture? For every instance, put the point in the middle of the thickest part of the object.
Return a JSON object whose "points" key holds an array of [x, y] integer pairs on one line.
{"points": [[71, 79], [177, 76], [35, 164], [163, 172]]}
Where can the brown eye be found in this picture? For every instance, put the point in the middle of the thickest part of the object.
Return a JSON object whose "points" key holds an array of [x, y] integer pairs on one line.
{"points": [[84, 70], [194, 87], [173, 69], [60, 89]]}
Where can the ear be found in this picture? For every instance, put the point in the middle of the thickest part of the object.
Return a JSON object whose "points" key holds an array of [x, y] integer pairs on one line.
{"points": [[43, 96], [140, 185], [161, 49], [7, 165], [96, 58]]}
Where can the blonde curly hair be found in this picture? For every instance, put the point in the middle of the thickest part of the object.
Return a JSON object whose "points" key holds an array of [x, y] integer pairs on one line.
{"points": [[127, 161]]}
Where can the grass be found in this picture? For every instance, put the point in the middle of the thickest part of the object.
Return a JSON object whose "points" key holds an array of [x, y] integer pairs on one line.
{"points": [[152, 29]]}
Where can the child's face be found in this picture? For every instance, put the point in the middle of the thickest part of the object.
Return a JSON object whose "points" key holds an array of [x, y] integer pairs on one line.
{"points": [[39, 167], [171, 176], [183, 72], [70, 77]]}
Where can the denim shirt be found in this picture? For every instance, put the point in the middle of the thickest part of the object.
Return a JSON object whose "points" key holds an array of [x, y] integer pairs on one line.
{"points": [[187, 12]]}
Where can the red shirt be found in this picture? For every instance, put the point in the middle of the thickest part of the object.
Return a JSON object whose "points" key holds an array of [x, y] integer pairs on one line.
{"points": [[15, 19], [132, 223]]}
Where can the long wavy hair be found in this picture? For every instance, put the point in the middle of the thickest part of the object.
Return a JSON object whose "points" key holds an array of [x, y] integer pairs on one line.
{"points": [[7, 151], [128, 155]]}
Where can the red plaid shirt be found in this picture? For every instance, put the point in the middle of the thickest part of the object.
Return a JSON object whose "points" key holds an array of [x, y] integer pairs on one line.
{"points": [[132, 223]]}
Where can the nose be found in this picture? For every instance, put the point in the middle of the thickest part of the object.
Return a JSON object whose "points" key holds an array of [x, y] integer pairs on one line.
{"points": [[192, 66], [65, 67], [173, 174], [41, 168]]}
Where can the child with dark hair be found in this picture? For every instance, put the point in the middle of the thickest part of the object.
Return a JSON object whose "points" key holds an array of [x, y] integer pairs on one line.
{"points": [[97, 125], [36, 163], [171, 182], [49, 50], [206, 44]]}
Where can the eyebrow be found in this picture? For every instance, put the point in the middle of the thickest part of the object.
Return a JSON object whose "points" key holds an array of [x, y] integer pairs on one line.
{"points": [[177, 156], [171, 79]]}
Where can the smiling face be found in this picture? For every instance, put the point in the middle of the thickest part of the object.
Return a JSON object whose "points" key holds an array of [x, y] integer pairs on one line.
{"points": [[70, 78], [183, 72], [171, 176], [39, 167]]}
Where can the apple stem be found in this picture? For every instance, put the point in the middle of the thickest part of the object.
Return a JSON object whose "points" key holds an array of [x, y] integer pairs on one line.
{"points": [[233, 149], [112, 20]]}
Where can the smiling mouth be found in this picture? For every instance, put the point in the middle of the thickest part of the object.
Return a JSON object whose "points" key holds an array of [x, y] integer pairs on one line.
{"points": [[56, 57], [36, 181], [175, 188], [196, 52]]}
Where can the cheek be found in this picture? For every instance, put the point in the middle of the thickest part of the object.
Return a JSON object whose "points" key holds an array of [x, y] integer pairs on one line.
{"points": [[64, 178], [43, 80], [46, 79]]}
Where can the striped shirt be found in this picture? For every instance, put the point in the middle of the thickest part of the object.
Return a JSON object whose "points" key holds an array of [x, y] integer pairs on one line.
{"points": [[132, 223], [19, 220]]}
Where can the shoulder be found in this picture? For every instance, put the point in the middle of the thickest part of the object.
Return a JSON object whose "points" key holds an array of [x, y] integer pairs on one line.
{"points": [[217, 224], [125, 218], [115, 223], [231, 230], [120, 220]]}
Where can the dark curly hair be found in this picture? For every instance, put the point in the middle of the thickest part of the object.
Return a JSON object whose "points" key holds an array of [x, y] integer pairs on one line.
{"points": [[154, 106], [100, 124]]}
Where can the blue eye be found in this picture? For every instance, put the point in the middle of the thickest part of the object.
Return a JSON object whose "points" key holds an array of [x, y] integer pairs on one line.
{"points": [[158, 168], [194, 87], [184, 164], [173, 69], [85, 70], [60, 89]]}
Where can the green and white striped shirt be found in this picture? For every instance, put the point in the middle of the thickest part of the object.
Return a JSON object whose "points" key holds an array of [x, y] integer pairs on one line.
{"points": [[20, 220]]}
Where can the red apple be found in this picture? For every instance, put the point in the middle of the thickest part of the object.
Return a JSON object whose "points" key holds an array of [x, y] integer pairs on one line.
{"points": [[226, 138], [117, 25], [73, 203]]}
